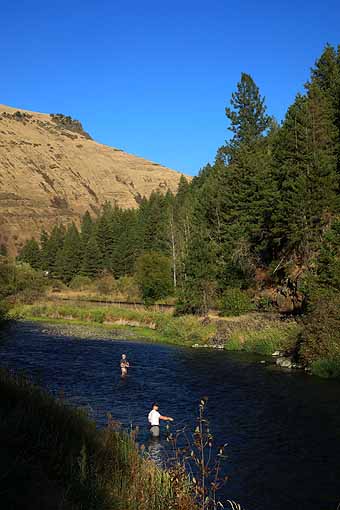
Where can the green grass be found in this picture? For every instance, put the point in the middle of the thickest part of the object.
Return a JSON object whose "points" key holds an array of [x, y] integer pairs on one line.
{"points": [[265, 341], [328, 368], [53, 457], [149, 325]]}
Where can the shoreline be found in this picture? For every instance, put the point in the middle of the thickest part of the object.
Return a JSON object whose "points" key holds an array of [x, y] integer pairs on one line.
{"points": [[257, 333], [127, 333], [254, 332], [147, 325]]}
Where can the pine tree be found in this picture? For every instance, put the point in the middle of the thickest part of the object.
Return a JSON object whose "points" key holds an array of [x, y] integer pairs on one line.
{"points": [[181, 215], [247, 116], [328, 261], [153, 224], [105, 235], [199, 287], [69, 257], [52, 248], [244, 186], [305, 162], [325, 76], [30, 253], [120, 230], [126, 247], [86, 228], [43, 249], [92, 262]]}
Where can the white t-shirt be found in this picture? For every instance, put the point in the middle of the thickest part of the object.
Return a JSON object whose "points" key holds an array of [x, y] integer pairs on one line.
{"points": [[153, 417]]}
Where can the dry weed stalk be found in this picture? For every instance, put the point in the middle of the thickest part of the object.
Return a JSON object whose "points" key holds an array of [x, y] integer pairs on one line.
{"points": [[202, 461]]}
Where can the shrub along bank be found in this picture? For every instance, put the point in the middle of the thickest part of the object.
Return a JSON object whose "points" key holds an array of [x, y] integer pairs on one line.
{"points": [[319, 342], [258, 333]]}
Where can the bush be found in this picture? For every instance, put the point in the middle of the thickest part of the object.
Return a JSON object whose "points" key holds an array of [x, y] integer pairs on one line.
{"points": [[320, 337], [106, 284], [328, 368], [80, 283], [265, 341], [264, 304], [97, 315], [153, 275], [189, 303], [196, 299], [235, 302], [28, 296], [128, 288], [57, 285], [17, 278], [4, 309], [187, 329]]}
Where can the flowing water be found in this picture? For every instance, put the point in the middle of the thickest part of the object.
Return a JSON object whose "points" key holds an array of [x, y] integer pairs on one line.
{"points": [[282, 428]]}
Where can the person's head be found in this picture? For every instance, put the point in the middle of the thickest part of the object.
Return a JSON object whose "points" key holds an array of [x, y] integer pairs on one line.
{"points": [[123, 356], [155, 406]]}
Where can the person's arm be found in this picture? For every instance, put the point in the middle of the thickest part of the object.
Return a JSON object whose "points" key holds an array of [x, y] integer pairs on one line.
{"points": [[166, 418]]}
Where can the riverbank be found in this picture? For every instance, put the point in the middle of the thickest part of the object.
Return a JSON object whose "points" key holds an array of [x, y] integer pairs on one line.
{"points": [[147, 325], [54, 457], [260, 333]]}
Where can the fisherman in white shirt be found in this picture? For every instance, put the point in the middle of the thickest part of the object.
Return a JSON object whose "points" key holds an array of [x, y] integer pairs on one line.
{"points": [[153, 419]]}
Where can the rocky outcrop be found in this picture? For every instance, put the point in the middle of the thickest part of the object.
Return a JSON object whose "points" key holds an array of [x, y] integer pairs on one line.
{"points": [[288, 298], [52, 171]]}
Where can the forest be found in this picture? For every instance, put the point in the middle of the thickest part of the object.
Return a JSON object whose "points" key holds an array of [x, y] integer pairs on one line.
{"points": [[262, 222]]}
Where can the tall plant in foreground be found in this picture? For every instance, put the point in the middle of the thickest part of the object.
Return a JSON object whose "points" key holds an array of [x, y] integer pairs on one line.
{"points": [[203, 461]]}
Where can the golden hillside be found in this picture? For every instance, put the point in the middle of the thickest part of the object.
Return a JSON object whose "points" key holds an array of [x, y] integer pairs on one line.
{"points": [[52, 171]]}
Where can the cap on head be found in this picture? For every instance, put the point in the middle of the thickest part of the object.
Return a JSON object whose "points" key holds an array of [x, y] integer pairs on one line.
{"points": [[154, 405]]}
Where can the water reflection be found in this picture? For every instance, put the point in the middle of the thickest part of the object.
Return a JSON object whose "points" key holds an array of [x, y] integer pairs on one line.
{"points": [[155, 450]]}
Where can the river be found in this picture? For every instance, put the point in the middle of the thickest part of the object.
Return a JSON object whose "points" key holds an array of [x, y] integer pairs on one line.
{"points": [[282, 428]]}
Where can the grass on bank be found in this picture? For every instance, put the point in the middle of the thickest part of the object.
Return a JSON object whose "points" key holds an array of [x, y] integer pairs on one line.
{"points": [[155, 326], [328, 368], [53, 457], [265, 341]]}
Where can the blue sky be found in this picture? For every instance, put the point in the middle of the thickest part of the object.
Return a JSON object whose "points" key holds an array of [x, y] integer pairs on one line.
{"points": [[153, 78]]}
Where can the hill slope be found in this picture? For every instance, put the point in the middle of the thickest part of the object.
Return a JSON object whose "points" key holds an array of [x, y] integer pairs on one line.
{"points": [[51, 170]]}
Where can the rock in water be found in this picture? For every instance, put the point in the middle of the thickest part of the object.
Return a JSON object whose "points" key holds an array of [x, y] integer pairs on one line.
{"points": [[277, 353], [284, 362]]}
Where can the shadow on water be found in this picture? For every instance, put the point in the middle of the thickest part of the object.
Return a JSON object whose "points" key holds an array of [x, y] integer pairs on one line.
{"points": [[283, 428]]}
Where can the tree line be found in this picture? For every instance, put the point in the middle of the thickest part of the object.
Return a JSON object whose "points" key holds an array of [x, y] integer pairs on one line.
{"points": [[266, 211], [149, 241]]}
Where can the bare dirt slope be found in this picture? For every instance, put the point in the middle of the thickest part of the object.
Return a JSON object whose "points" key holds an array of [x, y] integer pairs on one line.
{"points": [[52, 171]]}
